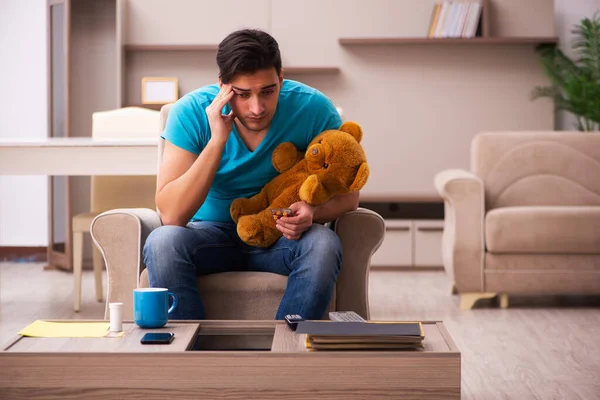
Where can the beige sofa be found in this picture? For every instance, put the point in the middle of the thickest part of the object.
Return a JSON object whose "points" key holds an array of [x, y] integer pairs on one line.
{"points": [[526, 218], [120, 236]]}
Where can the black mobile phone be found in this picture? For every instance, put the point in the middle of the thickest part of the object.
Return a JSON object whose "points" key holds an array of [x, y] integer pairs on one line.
{"points": [[158, 338]]}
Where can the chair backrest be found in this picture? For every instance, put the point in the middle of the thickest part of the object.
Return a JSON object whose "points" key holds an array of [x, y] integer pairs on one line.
{"points": [[110, 192], [544, 168]]}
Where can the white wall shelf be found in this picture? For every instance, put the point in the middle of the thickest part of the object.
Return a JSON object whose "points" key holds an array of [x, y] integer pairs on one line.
{"points": [[494, 41], [170, 47]]}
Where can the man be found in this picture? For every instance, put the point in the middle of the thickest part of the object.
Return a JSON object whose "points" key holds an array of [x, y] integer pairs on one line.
{"points": [[218, 145]]}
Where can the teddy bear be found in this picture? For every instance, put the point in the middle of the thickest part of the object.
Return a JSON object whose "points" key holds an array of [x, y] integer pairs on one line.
{"points": [[334, 164]]}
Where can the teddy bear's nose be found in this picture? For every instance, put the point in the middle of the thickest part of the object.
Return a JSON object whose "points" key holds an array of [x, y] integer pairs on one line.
{"points": [[315, 151]]}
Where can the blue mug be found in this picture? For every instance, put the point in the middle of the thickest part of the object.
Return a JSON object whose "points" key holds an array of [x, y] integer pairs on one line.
{"points": [[151, 307]]}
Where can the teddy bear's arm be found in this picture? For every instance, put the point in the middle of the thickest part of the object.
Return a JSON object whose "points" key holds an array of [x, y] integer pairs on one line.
{"points": [[313, 192], [285, 156]]}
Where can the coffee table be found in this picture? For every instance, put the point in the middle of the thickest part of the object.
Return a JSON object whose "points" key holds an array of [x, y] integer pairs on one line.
{"points": [[233, 359]]}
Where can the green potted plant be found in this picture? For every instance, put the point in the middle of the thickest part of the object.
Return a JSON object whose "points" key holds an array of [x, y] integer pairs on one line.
{"points": [[575, 84]]}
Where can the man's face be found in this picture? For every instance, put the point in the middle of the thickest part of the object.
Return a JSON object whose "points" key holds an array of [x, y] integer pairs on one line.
{"points": [[255, 99]]}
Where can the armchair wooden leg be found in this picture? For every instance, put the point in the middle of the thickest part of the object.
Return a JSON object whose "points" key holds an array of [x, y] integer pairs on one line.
{"points": [[77, 267], [503, 300], [468, 300], [97, 261], [453, 289]]}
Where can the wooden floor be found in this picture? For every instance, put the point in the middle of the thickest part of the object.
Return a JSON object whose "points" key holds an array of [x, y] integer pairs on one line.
{"points": [[542, 348]]}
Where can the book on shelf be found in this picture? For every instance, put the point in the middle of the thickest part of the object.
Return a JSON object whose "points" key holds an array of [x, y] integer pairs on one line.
{"points": [[373, 335], [455, 19]]}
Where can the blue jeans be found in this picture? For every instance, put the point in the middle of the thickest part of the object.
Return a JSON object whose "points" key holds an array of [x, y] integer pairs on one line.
{"points": [[175, 256]]}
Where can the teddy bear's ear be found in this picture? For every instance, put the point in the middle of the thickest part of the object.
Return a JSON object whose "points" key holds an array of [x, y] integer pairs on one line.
{"points": [[352, 128], [285, 156], [361, 177]]}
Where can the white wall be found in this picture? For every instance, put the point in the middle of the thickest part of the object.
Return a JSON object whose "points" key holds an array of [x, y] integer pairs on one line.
{"points": [[569, 13], [23, 113]]}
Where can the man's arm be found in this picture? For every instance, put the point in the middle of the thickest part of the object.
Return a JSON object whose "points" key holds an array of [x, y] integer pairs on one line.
{"points": [[184, 179], [335, 207]]}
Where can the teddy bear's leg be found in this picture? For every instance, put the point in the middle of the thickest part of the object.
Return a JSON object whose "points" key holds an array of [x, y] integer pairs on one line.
{"points": [[259, 229], [243, 206]]}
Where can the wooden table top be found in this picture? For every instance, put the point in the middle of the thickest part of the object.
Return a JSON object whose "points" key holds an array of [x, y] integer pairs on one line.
{"points": [[437, 339], [185, 333]]}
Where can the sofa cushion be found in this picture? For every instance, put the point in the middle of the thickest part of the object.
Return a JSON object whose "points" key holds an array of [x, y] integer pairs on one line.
{"points": [[543, 229], [241, 295], [238, 295]]}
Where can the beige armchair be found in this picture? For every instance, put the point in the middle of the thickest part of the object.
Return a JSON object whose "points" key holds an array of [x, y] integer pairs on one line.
{"points": [[120, 236], [526, 219]]}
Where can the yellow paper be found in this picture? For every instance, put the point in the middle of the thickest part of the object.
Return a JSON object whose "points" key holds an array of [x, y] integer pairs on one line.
{"points": [[66, 329]]}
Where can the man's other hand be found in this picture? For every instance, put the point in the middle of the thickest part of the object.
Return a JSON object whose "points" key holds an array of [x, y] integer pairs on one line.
{"points": [[301, 220]]}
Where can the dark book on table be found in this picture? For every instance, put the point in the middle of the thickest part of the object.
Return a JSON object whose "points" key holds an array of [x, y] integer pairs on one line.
{"points": [[361, 329]]}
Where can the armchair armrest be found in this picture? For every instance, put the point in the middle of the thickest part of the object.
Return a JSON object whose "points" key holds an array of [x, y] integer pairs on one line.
{"points": [[361, 233], [463, 242], [120, 236]]}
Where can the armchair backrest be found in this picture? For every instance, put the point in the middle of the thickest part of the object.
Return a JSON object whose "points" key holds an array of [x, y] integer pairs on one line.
{"points": [[538, 168]]}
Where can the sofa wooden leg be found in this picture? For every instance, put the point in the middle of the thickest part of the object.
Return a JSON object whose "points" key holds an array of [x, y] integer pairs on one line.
{"points": [[453, 289], [468, 300], [503, 300]]}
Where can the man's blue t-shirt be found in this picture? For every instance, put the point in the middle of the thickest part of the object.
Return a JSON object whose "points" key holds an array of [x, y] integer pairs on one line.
{"points": [[302, 113]]}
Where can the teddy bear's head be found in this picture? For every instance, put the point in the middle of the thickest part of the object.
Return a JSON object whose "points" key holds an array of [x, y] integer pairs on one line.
{"points": [[337, 164]]}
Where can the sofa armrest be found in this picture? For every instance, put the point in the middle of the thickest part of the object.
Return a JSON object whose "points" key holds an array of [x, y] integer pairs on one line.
{"points": [[120, 236], [361, 233], [463, 242]]}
